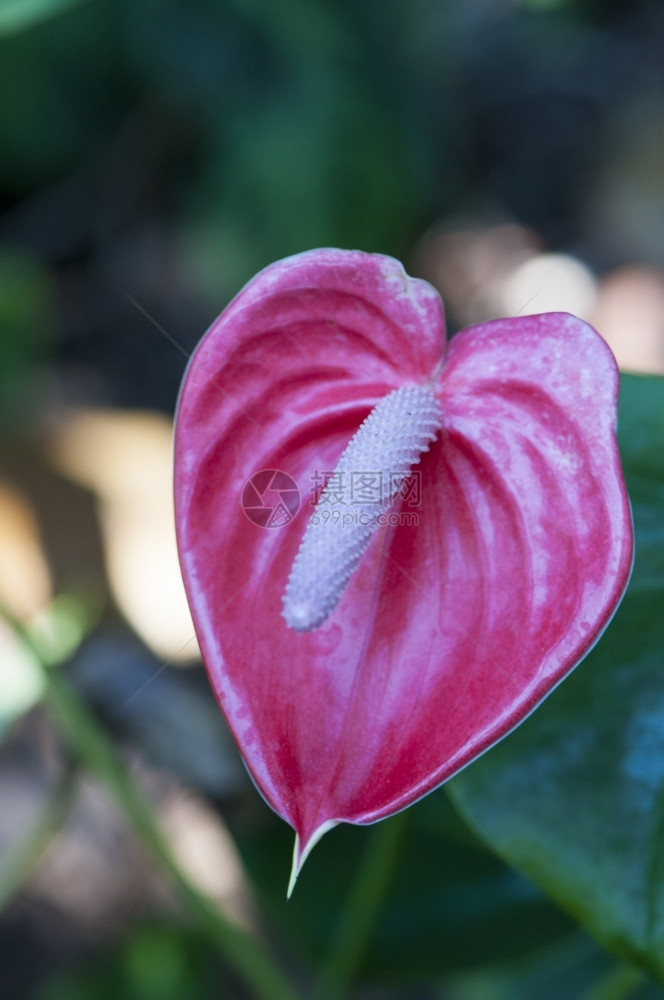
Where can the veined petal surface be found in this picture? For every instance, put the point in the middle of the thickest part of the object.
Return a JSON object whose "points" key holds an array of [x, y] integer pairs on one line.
{"points": [[463, 615]]}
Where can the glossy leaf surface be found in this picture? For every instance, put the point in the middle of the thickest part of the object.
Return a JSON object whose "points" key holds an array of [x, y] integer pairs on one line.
{"points": [[15, 15], [574, 798], [449, 905]]}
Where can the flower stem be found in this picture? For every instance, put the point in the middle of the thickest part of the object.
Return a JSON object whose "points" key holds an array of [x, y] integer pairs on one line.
{"points": [[244, 954], [359, 911], [617, 984], [19, 861]]}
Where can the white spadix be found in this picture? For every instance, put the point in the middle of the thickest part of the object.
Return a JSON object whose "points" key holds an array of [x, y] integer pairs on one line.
{"points": [[386, 446]]}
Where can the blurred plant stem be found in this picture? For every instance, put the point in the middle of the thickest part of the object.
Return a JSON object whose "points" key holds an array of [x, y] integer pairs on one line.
{"points": [[359, 912], [244, 954], [618, 984], [19, 861]]}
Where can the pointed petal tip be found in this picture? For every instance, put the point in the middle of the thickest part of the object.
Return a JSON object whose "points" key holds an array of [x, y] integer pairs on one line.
{"points": [[301, 853]]}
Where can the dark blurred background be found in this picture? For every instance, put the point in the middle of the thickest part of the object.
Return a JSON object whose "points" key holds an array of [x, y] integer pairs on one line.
{"points": [[154, 154]]}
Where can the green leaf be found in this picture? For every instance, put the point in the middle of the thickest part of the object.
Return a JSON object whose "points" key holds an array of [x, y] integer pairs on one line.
{"points": [[578, 970], [21, 684], [154, 961], [15, 15], [450, 904], [26, 308], [575, 797]]}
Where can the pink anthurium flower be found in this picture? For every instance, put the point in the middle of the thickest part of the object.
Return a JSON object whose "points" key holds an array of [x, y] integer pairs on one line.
{"points": [[472, 543]]}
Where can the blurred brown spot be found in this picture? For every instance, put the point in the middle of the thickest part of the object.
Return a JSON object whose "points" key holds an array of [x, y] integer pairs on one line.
{"points": [[206, 852], [470, 266], [630, 316], [125, 457], [25, 585]]}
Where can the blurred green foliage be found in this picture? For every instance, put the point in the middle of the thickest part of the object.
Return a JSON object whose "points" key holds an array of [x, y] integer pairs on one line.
{"points": [[574, 796], [170, 149], [450, 905], [254, 129], [156, 961], [26, 327], [15, 15]]}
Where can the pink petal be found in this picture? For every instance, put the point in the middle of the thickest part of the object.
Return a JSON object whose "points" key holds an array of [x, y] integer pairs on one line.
{"points": [[452, 630]]}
